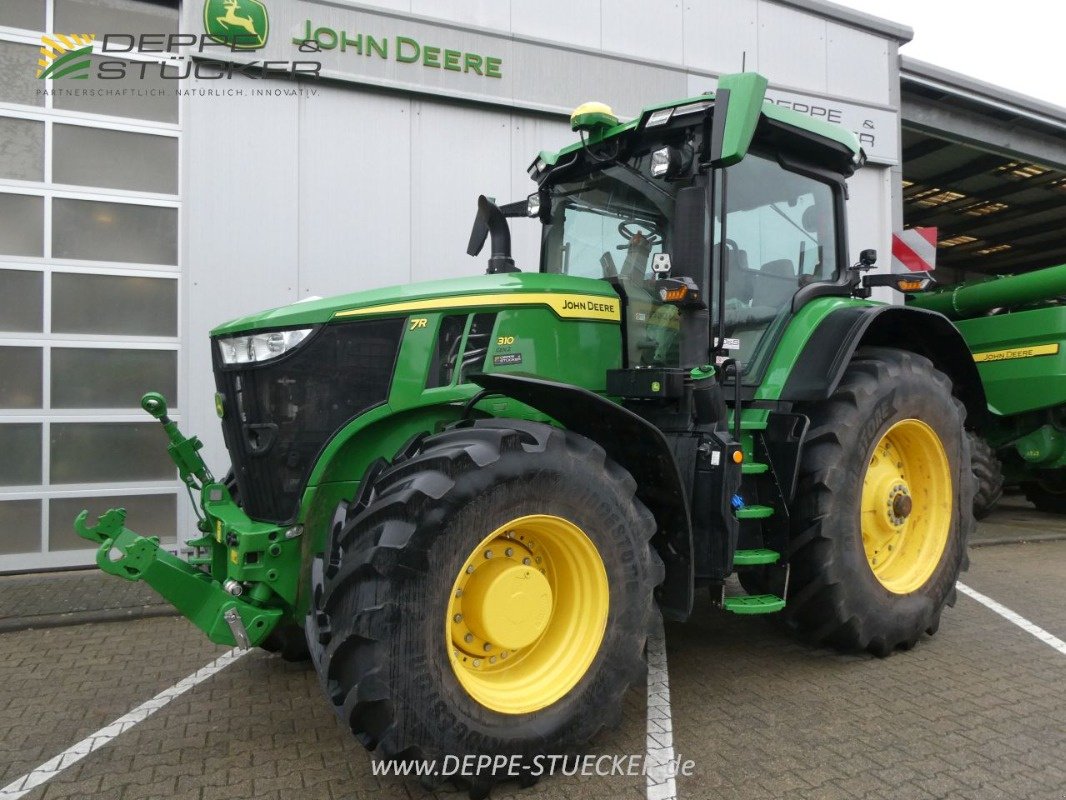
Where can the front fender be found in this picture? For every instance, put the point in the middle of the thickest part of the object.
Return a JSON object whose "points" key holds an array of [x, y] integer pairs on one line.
{"points": [[637, 445]]}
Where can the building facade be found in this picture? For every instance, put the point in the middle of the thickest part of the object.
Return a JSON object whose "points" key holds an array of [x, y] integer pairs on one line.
{"points": [[132, 222]]}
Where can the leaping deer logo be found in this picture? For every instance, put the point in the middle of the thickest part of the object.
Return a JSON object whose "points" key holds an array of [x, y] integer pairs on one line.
{"points": [[232, 18], [241, 31]]}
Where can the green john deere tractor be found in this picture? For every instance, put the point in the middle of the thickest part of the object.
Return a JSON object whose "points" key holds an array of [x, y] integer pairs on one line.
{"points": [[469, 499], [1015, 326]]}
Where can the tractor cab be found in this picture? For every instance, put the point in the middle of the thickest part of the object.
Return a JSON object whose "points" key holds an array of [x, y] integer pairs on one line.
{"points": [[653, 206], [718, 207]]}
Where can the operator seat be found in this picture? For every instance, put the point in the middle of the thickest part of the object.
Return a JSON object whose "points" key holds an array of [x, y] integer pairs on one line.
{"points": [[775, 283]]}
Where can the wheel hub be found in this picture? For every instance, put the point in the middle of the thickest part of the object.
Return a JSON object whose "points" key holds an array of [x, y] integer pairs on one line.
{"points": [[901, 505], [507, 604]]}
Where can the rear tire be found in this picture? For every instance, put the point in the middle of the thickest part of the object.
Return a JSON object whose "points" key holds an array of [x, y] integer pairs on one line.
{"points": [[384, 594], [890, 409], [988, 474]]}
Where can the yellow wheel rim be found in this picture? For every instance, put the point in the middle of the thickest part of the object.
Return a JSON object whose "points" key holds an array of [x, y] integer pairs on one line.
{"points": [[907, 498], [527, 614]]}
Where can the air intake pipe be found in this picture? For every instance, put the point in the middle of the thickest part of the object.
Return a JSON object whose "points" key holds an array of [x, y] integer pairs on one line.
{"points": [[491, 221]]}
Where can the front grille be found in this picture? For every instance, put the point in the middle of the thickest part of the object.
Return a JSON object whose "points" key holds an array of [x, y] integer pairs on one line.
{"points": [[280, 414]]}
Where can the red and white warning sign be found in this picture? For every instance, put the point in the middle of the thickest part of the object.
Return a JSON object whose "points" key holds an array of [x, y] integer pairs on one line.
{"points": [[914, 250]]}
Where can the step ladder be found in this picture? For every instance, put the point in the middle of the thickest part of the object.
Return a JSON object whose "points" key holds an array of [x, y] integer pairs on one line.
{"points": [[756, 557]]}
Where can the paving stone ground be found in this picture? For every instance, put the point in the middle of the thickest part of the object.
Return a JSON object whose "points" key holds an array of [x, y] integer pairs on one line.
{"points": [[977, 711], [48, 599]]}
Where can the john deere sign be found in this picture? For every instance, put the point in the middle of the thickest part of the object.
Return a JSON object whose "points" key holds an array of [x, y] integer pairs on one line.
{"points": [[241, 24], [404, 49], [354, 42]]}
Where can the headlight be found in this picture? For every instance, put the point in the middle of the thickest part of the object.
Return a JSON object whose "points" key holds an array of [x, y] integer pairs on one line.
{"points": [[660, 162], [660, 117], [667, 162], [533, 205], [692, 108], [537, 167], [258, 347]]}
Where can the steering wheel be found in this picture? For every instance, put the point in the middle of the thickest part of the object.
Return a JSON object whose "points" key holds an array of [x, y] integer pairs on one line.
{"points": [[629, 230]]}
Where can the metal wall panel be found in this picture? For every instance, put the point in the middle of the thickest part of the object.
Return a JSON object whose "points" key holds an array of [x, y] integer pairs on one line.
{"points": [[563, 79], [447, 174], [642, 29], [389, 5], [792, 47], [542, 20], [494, 14], [355, 191], [857, 64], [722, 42]]}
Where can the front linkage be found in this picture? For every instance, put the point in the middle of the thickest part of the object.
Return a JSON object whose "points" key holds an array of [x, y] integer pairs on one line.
{"points": [[243, 579]]}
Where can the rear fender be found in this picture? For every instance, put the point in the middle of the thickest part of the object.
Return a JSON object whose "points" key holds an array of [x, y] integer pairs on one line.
{"points": [[822, 362]]}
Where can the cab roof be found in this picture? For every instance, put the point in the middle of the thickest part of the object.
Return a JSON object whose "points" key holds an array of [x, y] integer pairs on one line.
{"points": [[747, 93]]}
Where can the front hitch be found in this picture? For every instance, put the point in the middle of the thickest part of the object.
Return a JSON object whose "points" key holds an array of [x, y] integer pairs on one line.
{"points": [[224, 618], [210, 601]]}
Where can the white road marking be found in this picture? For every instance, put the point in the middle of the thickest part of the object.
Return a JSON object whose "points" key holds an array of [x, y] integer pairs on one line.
{"points": [[94, 741], [1027, 626], [660, 740]]}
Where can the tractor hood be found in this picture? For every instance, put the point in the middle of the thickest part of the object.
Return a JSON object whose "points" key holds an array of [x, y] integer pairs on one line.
{"points": [[567, 295]]}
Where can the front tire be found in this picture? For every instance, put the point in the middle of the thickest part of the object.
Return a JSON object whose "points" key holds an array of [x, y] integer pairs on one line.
{"points": [[988, 474], [884, 506], [1048, 496], [418, 577]]}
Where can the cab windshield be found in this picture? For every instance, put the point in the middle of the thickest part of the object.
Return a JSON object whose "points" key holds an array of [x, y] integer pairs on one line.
{"points": [[609, 225]]}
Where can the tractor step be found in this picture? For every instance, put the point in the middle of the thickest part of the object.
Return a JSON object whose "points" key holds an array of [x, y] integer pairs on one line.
{"points": [[754, 604], [754, 512], [753, 468], [749, 558]]}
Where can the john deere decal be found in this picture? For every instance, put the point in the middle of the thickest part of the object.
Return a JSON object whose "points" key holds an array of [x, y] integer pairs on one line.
{"points": [[65, 55], [241, 24]]}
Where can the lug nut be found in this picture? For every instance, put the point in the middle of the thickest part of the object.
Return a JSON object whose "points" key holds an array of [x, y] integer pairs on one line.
{"points": [[487, 647], [469, 569], [477, 662], [468, 638], [458, 592], [492, 660], [488, 554], [457, 618], [509, 534], [509, 551], [504, 654], [526, 561]]}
